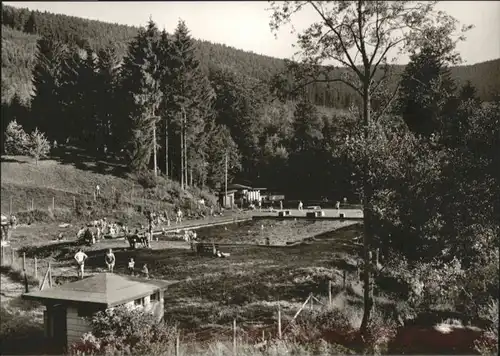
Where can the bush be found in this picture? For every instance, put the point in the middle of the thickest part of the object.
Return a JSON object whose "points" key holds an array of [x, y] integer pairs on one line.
{"points": [[32, 216], [126, 331], [332, 325], [147, 179], [488, 343], [43, 215], [38, 146], [20, 333], [16, 140]]}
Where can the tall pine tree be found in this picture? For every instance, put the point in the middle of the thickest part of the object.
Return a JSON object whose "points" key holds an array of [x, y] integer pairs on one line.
{"points": [[190, 99], [106, 81], [47, 73], [142, 95], [426, 91]]}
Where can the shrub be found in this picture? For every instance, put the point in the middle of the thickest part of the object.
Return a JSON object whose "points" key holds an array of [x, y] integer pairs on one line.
{"points": [[147, 179], [43, 215], [20, 333], [16, 140], [38, 146], [126, 331], [330, 324], [32, 216], [488, 343]]}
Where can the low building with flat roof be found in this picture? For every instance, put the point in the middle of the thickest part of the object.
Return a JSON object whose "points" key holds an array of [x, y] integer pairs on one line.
{"points": [[68, 306]]}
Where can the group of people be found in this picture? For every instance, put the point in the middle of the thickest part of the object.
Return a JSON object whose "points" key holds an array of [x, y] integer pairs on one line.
{"points": [[97, 229], [110, 261], [301, 205]]}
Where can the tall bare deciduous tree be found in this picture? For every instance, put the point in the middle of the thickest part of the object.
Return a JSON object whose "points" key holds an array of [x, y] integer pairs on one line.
{"points": [[361, 36]]}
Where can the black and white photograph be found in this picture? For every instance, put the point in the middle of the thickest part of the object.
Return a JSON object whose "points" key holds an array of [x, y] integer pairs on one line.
{"points": [[250, 178]]}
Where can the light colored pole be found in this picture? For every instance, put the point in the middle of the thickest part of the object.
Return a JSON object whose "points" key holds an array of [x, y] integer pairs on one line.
{"points": [[225, 179]]}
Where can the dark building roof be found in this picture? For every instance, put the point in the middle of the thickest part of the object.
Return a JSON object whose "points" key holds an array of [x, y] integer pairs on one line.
{"points": [[238, 186], [107, 289], [229, 191], [241, 186]]}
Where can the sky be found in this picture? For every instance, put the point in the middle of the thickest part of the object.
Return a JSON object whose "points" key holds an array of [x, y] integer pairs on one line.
{"points": [[245, 24]]}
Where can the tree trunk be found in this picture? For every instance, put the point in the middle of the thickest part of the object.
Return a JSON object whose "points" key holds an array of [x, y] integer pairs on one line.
{"points": [[367, 235], [166, 147], [155, 164], [182, 154], [185, 153]]}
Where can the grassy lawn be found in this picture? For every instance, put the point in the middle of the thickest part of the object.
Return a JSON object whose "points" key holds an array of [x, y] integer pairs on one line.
{"points": [[247, 285]]}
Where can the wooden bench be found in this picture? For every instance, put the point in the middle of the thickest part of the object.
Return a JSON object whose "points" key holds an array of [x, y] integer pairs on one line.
{"points": [[202, 248], [315, 214], [284, 213]]}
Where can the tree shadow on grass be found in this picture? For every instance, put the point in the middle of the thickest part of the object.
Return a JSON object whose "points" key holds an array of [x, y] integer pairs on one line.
{"points": [[12, 160], [85, 161], [59, 250]]}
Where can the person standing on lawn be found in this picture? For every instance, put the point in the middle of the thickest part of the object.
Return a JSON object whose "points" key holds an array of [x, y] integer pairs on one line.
{"points": [[110, 260], [150, 229], [131, 266], [145, 271], [80, 258]]}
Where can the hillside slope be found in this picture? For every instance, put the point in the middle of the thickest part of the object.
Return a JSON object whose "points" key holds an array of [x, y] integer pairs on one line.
{"points": [[19, 48], [27, 186]]}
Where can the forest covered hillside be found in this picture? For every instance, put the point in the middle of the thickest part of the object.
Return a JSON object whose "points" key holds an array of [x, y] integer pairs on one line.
{"points": [[21, 28]]}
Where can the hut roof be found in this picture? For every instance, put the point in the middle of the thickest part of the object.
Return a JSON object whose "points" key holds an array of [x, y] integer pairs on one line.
{"points": [[107, 289]]}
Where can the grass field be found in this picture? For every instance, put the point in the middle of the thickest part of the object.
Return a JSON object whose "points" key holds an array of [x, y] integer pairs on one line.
{"points": [[247, 285], [62, 189]]}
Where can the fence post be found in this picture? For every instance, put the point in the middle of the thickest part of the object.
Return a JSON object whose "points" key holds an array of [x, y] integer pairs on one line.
{"points": [[330, 293], [10, 206], [234, 337], [94, 196], [26, 288], [279, 321], [24, 261], [36, 268], [32, 204], [177, 346], [50, 276], [74, 202], [53, 203]]}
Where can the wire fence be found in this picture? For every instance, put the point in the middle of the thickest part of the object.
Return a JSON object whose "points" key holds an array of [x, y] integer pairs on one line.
{"points": [[157, 199], [238, 333]]}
